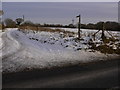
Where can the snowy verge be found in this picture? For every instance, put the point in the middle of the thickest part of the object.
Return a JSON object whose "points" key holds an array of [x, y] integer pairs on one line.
{"points": [[44, 50], [9, 44]]}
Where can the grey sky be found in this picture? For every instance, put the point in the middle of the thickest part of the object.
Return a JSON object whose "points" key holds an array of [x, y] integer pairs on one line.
{"points": [[60, 0], [61, 12]]}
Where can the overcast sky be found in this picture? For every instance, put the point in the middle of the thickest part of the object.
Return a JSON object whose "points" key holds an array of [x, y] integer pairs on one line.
{"points": [[61, 12], [60, 0]]}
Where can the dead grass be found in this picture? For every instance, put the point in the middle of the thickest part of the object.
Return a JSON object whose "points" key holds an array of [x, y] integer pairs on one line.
{"points": [[0, 26], [106, 49], [46, 29], [103, 48]]}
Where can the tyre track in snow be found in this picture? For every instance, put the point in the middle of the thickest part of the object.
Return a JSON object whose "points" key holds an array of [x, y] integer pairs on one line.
{"points": [[16, 49], [10, 45], [14, 60]]}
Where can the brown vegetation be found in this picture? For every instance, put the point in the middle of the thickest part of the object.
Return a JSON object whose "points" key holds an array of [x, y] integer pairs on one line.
{"points": [[103, 48], [2, 27], [46, 29]]}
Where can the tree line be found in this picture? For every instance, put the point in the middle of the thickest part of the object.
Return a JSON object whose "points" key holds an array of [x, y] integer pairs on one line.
{"points": [[109, 25]]}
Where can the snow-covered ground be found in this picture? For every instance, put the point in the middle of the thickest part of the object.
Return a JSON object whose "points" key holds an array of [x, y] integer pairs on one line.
{"points": [[27, 50], [1, 51]]}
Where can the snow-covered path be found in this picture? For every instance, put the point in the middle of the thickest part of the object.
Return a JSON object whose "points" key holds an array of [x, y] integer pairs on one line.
{"points": [[20, 53], [9, 45]]}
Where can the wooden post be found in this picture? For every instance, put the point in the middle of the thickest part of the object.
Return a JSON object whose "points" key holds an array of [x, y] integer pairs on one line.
{"points": [[79, 25], [119, 12], [103, 34], [72, 21], [23, 17]]}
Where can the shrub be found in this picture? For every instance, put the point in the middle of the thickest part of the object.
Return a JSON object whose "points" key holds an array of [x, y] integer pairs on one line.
{"points": [[10, 23]]}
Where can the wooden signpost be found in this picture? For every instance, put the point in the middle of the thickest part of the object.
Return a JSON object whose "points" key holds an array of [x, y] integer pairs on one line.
{"points": [[79, 25]]}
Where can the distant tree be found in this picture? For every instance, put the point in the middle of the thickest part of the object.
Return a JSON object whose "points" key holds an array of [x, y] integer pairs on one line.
{"points": [[19, 21], [112, 25], [108, 25], [1, 23], [1, 12], [10, 23], [90, 26], [28, 23], [71, 26], [99, 25], [37, 24], [83, 26]]}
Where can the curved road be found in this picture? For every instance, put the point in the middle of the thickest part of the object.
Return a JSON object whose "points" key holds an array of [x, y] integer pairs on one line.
{"points": [[103, 74]]}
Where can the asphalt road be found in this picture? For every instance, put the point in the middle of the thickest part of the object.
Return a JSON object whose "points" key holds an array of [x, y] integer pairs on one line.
{"points": [[103, 74]]}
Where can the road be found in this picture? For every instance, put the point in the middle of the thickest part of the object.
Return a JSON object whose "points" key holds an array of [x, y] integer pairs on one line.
{"points": [[102, 74]]}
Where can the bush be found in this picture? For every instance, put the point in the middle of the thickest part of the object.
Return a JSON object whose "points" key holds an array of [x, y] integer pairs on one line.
{"points": [[28, 23], [10, 23], [2, 26]]}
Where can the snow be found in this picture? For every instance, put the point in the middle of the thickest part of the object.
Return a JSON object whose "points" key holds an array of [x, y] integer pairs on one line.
{"points": [[1, 51], [27, 50]]}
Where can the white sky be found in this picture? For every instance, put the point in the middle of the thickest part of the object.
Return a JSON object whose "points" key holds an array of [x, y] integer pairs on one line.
{"points": [[60, 0]]}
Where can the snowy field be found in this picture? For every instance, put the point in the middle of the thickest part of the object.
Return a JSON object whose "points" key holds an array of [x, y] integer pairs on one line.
{"points": [[28, 49]]}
